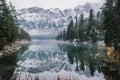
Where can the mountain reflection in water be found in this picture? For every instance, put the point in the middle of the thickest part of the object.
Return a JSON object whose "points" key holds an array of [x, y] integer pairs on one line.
{"points": [[54, 60]]}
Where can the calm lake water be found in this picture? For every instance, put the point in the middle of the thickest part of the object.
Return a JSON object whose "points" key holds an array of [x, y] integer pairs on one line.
{"points": [[55, 60]]}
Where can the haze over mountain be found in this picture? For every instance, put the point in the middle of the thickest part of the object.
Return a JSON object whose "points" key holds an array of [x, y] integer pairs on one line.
{"points": [[47, 22], [47, 4]]}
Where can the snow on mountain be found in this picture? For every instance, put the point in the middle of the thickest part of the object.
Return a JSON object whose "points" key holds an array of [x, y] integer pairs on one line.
{"points": [[37, 20]]}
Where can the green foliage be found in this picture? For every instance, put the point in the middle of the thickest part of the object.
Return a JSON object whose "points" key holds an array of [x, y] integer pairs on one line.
{"points": [[99, 25], [85, 54], [92, 27], [23, 35], [8, 24], [70, 31], [84, 29], [117, 25], [108, 12], [67, 35], [76, 27], [111, 13]]}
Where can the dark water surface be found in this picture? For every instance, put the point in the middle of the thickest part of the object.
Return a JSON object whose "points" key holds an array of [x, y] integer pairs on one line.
{"points": [[55, 60]]}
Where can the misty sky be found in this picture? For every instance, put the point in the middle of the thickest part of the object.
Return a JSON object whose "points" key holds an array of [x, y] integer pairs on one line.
{"points": [[63, 4]]}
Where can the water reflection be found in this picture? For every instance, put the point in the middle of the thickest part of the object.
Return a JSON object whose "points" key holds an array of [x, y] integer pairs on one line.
{"points": [[111, 68], [51, 60], [84, 56], [8, 63]]}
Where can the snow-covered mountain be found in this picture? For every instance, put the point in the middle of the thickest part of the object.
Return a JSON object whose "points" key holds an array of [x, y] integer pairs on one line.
{"points": [[39, 21]]}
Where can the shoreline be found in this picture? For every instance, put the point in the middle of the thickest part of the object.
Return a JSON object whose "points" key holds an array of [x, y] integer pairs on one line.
{"points": [[13, 47], [99, 42]]}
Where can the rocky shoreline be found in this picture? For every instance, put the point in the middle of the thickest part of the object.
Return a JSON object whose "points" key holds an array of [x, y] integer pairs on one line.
{"points": [[13, 47]]}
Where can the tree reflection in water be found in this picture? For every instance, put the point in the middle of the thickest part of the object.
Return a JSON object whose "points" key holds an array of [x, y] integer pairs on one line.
{"points": [[61, 61], [91, 56], [8, 63], [111, 67]]}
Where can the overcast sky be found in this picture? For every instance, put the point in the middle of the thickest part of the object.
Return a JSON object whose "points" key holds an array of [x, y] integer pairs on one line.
{"points": [[63, 4]]}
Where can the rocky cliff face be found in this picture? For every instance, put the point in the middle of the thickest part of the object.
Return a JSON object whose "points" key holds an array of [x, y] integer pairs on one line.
{"points": [[38, 20]]}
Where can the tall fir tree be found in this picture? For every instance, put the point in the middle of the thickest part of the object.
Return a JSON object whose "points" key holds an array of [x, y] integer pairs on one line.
{"points": [[99, 25], [91, 27], [70, 31], [8, 25], [81, 24], [109, 24], [81, 28], [91, 21], [64, 34], [117, 25], [76, 28]]}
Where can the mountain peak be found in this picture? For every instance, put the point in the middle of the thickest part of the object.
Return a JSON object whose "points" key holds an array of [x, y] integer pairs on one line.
{"points": [[53, 19]]}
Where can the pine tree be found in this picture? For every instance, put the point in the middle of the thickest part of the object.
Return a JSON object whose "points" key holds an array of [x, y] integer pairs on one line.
{"points": [[8, 25], [64, 34], [99, 25], [81, 28], [117, 25], [70, 31], [109, 24], [91, 20], [92, 34], [58, 36], [1, 27], [81, 24], [76, 28], [61, 34], [4, 22], [98, 20]]}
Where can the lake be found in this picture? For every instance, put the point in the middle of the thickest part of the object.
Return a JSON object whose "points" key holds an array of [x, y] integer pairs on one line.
{"points": [[58, 60]]}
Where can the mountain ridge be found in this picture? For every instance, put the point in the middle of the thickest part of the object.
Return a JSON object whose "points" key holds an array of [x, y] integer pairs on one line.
{"points": [[53, 19]]}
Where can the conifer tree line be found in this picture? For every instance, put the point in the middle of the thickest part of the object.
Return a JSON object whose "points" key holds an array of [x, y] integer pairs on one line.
{"points": [[9, 31], [105, 23], [84, 29], [111, 12]]}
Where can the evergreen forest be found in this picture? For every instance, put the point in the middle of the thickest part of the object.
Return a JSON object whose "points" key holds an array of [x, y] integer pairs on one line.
{"points": [[9, 28], [104, 25]]}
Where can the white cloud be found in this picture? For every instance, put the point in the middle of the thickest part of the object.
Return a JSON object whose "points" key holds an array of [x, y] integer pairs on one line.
{"points": [[51, 3]]}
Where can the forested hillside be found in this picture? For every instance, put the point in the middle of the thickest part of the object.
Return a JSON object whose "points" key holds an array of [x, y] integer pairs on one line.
{"points": [[105, 25], [84, 29], [9, 30]]}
